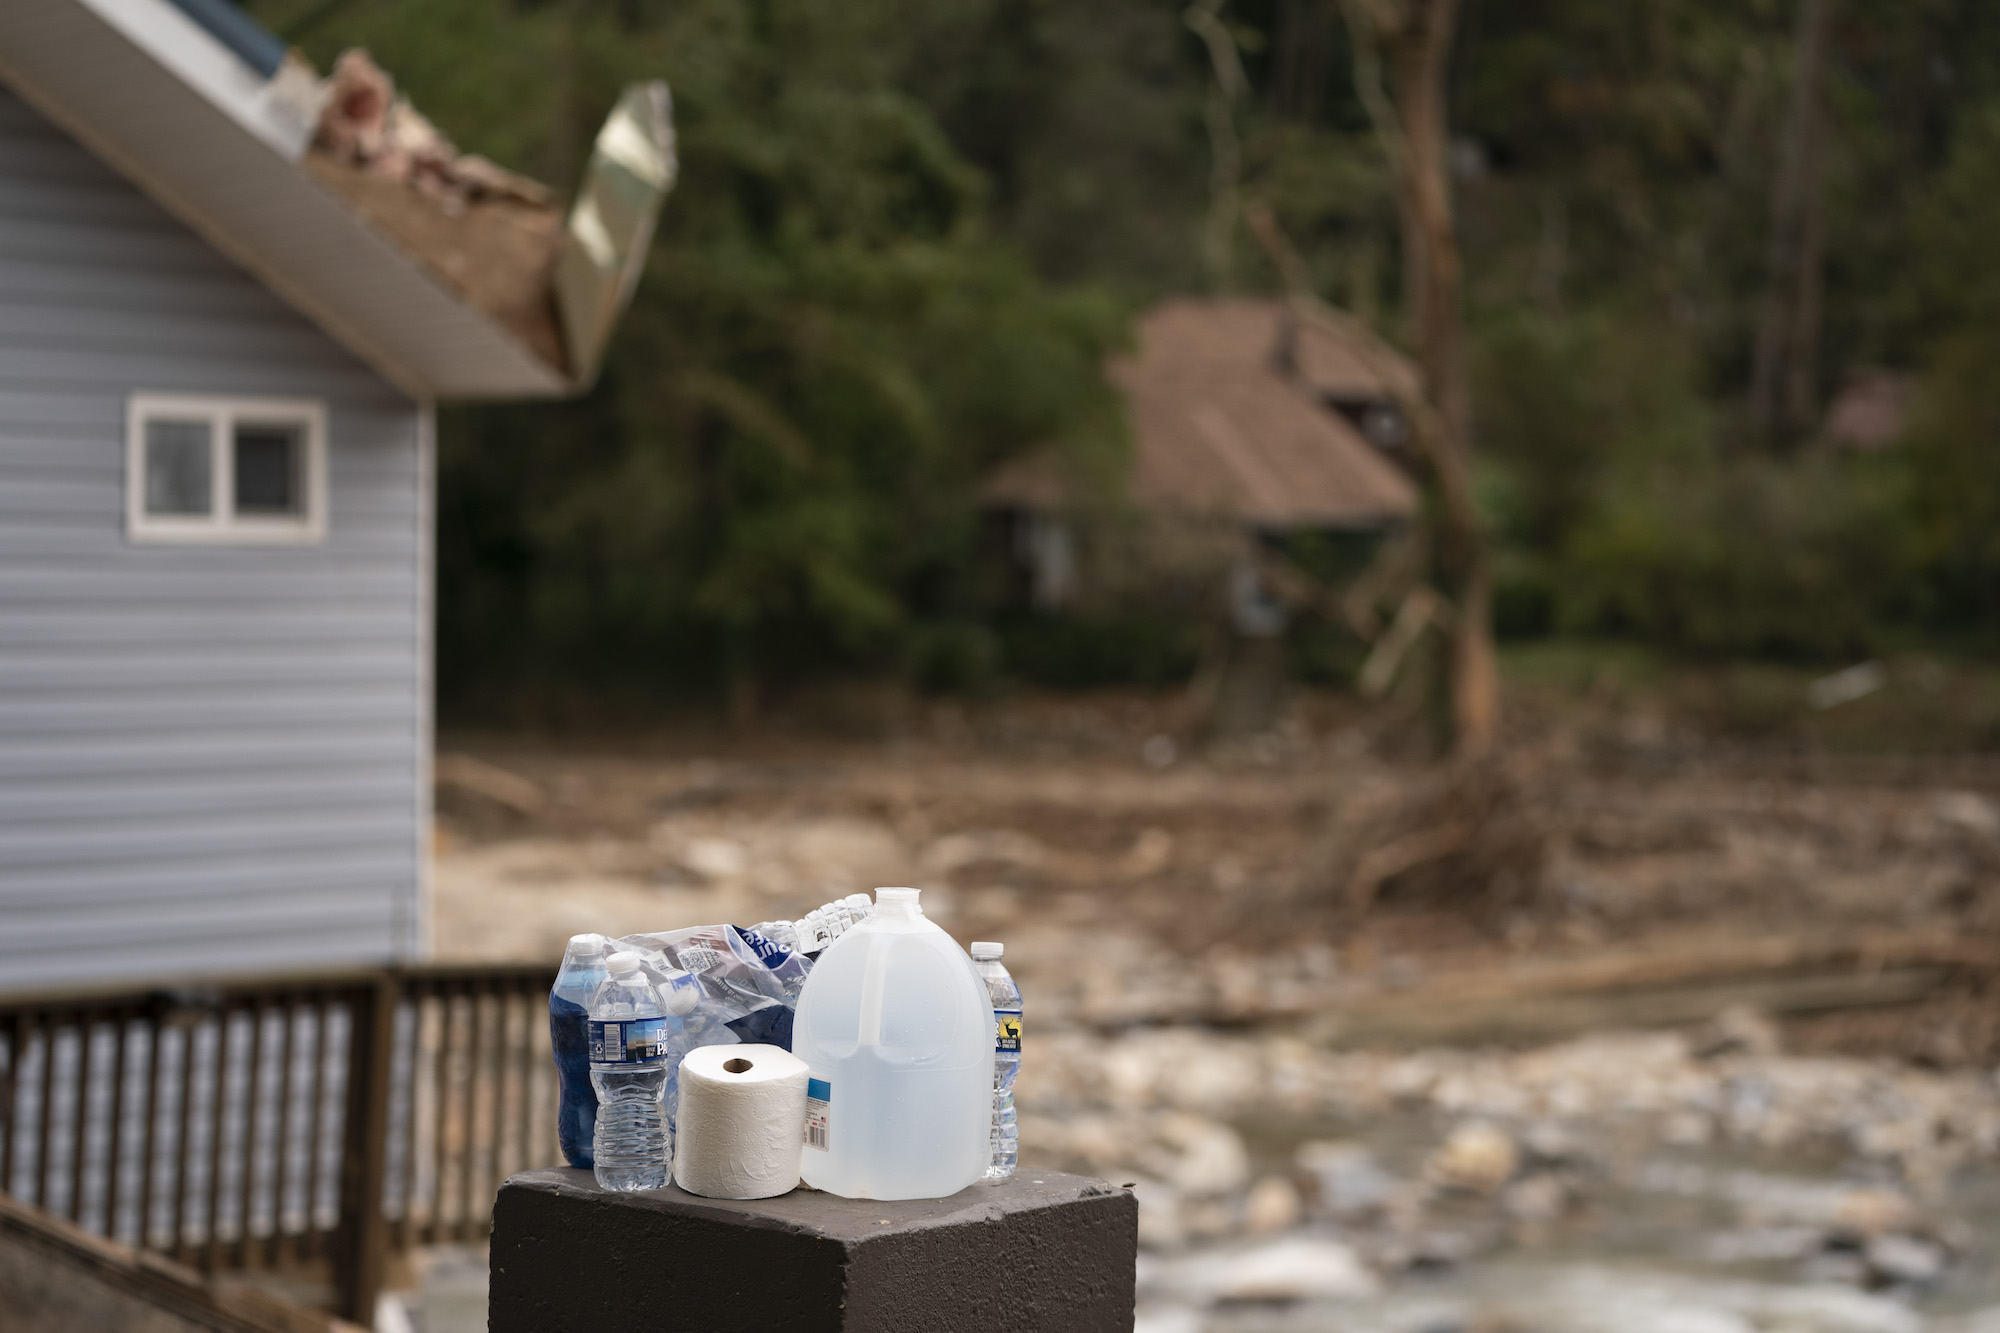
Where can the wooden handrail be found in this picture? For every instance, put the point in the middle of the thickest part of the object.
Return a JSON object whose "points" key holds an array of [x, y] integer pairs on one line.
{"points": [[310, 1122]]}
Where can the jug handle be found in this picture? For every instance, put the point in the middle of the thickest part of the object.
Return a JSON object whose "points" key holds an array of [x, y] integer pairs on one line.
{"points": [[873, 979]]}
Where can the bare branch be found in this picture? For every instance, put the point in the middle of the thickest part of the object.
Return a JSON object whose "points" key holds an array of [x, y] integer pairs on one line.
{"points": [[1203, 18], [1367, 27], [1422, 607]]}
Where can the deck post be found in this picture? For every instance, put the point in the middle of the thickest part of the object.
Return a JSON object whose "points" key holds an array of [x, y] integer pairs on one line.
{"points": [[362, 1247]]}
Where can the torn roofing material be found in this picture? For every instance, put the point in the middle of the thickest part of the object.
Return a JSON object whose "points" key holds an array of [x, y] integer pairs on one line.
{"points": [[499, 238], [364, 123], [491, 234], [442, 280], [495, 253], [632, 166]]}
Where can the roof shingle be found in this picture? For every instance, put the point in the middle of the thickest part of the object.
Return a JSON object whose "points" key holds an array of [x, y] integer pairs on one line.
{"points": [[1221, 430]]}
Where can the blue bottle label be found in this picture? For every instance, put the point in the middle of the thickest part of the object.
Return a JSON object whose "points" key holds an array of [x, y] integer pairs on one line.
{"points": [[634, 1041], [819, 1106], [769, 952], [1007, 1031]]}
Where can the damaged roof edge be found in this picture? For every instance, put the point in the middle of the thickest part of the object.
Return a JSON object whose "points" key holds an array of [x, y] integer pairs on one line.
{"points": [[189, 141], [604, 243], [559, 283]]}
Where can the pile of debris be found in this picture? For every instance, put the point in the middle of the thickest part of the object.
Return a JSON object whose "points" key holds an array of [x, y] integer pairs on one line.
{"points": [[363, 123], [490, 233], [1470, 836]]}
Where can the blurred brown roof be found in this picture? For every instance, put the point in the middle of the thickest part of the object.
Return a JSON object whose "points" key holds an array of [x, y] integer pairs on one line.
{"points": [[1870, 411], [1209, 334], [1221, 430]]}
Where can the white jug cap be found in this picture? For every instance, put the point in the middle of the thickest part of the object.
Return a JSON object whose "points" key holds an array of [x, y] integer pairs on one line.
{"points": [[987, 950], [900, 897]]}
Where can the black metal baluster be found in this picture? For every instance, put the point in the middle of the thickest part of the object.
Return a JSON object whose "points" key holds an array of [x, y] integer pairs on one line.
{"points": [[147, 1164], [46, 1111], [312, 1239], [252, 1084], [10, 1107], [280, 1168], [211, 1254], [120, 1020]]}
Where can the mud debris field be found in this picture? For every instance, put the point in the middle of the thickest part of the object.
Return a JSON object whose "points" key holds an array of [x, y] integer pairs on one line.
{"points": [[1597, 1037]]}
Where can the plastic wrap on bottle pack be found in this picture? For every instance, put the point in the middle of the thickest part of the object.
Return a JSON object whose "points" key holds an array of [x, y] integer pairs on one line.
{"points": [[720, 985]]}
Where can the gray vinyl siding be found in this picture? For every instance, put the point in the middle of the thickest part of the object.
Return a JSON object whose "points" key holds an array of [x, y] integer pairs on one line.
{"points": [[212, 759]]}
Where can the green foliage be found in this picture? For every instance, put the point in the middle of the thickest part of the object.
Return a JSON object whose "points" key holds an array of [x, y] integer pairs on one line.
{"points": [[906, 236], [1955, 468], [1614, 220], [1955, 450], [1795, 558], [1565, 400], [1619, 515], [1616, 253], [1084, 118], [1092, 649], [829, 347]]}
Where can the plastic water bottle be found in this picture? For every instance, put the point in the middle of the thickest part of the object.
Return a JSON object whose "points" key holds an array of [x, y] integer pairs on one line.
{"points": [[1006, 1055], [569, 1040], [819, 928], [896, 1027], [781, 933], [629, 1033]]}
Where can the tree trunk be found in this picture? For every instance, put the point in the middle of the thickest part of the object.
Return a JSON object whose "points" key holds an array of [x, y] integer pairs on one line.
{"points": [[1413, 39], [1802, 347], [1300, 59], [1784, 391]]}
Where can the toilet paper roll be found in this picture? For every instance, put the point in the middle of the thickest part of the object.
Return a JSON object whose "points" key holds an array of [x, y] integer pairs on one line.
{"points": [[741, 1121]]}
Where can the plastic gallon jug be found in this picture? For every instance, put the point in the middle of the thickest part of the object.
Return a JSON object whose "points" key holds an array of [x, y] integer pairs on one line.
{"points": [[897, 1030]]}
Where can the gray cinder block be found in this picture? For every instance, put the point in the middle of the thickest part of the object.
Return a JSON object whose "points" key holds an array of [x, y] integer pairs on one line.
{"points": [[1042, 1251]]}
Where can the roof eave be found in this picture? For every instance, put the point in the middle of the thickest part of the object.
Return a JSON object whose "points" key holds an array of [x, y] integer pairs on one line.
{"points": [[240, 193]]}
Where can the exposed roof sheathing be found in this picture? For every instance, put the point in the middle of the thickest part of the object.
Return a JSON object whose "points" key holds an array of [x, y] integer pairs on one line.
{"points": [[494, 252]]}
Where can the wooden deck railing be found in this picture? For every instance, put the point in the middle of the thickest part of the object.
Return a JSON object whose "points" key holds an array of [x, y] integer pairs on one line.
{"points": [[306, 1124]]}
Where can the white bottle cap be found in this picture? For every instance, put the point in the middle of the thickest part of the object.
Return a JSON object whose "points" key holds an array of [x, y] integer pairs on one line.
{"points": [[622, 963], [901, 900], [987, 950]]}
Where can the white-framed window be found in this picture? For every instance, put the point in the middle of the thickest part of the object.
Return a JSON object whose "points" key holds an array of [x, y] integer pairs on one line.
{"points": [[231, 471]]}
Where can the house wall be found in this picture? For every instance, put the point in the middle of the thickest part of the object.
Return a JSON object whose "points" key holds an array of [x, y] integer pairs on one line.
{"points": [[212, 760]]}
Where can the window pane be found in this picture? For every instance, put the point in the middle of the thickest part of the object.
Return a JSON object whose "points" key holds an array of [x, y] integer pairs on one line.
{"points": [[178, 463], [268, 469]]}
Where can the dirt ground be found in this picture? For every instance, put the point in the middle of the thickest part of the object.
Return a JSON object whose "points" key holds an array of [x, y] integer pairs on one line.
{"points": [[1274, 878], [1368, 1031]]}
